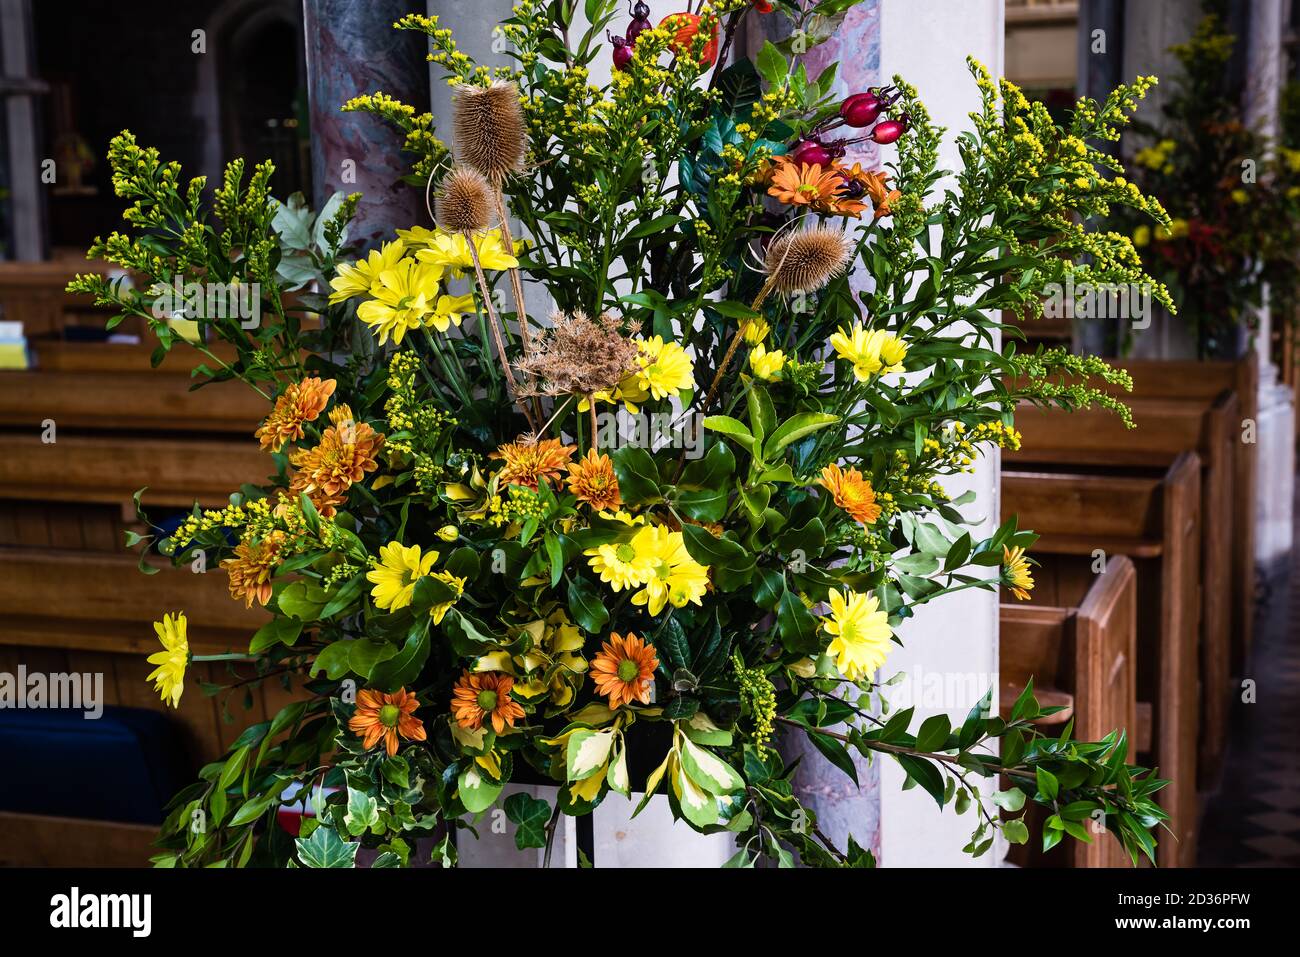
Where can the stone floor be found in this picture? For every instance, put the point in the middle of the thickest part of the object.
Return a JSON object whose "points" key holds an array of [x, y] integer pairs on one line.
{"points": [[1254, 819]]}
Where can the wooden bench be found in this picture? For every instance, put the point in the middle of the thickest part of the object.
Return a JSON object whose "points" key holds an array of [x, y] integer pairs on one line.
{"points": [[1208, 382], [104, 386], [1155, 521], [1166, 429], [1081, 656]]}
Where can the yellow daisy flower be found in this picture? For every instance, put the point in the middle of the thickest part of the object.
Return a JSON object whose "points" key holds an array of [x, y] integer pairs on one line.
{"points": [[665, 367], [400, 567], [169, 676], [872, 352], [766, 365], [450, 310], [457, 584], [360, 277], [674, 577], [861, 635], [404, 297], [619, 565], [1015, 572]]}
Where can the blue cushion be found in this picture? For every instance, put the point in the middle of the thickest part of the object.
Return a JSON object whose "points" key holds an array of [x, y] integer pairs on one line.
{"points": [[123, 766]]}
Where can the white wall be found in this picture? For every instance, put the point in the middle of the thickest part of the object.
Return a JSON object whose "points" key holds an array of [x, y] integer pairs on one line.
{"points": [[927, 42]]}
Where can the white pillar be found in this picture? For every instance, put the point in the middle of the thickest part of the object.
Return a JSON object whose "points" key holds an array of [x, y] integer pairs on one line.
{"points": [[927, 41], [1275, 475]]}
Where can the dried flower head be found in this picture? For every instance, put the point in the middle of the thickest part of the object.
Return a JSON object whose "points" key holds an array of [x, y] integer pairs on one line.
{"points": [[806, 260], [489, 128], [465, 203], [578, 356]]}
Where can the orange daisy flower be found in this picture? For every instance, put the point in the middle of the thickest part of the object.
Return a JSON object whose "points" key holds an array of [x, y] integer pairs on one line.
{"points": [[851, 492], [345, 454], [386, 717], [798, 184], [593, 481], [251, 569], [483, 695], [882, 197], [528, 463], [624, 670], [300, 403]]}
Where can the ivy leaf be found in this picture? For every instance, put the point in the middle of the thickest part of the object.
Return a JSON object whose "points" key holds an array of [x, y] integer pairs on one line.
{"points": [[530, 816], [326, 849]]}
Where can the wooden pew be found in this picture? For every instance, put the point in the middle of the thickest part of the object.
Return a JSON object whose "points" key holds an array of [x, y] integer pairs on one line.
{"points": [[1166, 429], [104, 386], [1081, 656], [1155, 520], [1208, 382]]}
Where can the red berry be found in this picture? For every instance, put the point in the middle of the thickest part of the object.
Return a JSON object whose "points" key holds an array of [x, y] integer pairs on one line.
{"points": [[622, 55], [889, 131], [811, 153], [861, 109]]}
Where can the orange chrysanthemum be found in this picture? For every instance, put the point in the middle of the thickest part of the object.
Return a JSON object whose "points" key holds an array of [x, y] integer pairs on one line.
{"points": [[528, 463], [624, 670], [593, 481], [877, 186], [851, 492], [345, 454], [797, 184], [386, 717], [251, 569], [487, 694], [298, 404]]}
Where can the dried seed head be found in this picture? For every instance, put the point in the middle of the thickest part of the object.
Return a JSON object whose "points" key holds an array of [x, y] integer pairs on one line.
{"points": [[578, 356], [465, 203], [806, 260], [488, 123]]}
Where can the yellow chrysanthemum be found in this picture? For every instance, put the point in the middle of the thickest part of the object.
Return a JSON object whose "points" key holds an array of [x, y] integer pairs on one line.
{"points": [[451, 251], [674, 577], [360, 277], [619, 565], [1015, 572], [665, 370], [400, 567], [756, 331], [450, 310], [872, 352], [169, 676], [861, 635], [404, 297], [456, 584], [766, 365]]}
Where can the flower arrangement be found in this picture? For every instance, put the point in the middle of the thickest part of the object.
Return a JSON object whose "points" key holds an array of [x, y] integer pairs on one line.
{"points": [[1233, 199], [481, 562]]}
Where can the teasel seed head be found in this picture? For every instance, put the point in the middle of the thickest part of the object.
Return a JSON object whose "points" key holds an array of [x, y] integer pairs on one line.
{"points": [[806, 260], [490, 134], [465, 201]]}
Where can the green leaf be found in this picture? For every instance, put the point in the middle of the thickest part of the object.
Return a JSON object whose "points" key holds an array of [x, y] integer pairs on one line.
{"points": [[326, 849], [772, 65], [638, 478], [933, 733], [1012, 800], [1048, 786], [404, 667], [477, 793], [925, 774], [732, 564], [796, 625], [530, 816], [708, 770], [1015, 831], [733, 428], [586, 605], [366, 653], [276, 631], [794, 429]]}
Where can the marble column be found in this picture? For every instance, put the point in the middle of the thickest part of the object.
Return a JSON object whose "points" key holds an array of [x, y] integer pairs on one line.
{"points": [[352, 49], [950, 653]]}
